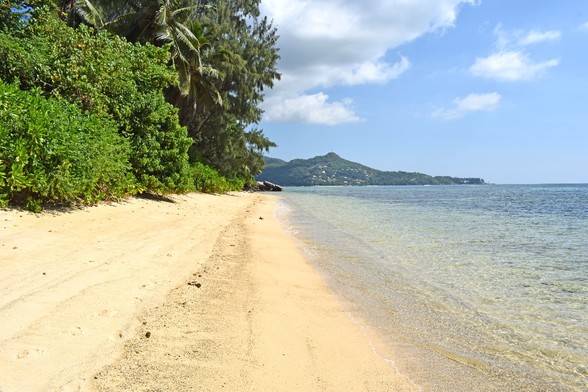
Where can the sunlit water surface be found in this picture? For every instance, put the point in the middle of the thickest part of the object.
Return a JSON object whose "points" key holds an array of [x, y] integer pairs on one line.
{"points": [[494, 277]]}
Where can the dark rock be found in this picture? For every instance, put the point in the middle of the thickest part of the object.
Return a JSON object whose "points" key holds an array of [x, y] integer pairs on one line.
{"points": [[268, 186]]}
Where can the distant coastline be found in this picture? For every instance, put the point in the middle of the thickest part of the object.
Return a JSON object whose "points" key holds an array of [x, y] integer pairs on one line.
{"points": [[331, 169]]}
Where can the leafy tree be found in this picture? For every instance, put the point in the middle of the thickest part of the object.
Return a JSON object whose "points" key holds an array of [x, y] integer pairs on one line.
{"points": [[224, 55], [243, 50], [112, 78], [237, 153], [9, 17], [157, 22]]}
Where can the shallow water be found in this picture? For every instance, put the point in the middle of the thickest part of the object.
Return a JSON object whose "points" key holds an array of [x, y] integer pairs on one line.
{"points": [[491, 277]]}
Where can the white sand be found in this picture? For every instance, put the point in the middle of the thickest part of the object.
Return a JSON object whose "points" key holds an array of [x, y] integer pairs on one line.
{"points": [[200, 294]]}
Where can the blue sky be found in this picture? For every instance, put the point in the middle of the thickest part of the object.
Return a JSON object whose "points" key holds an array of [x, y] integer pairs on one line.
{"points": [[496, 89]]}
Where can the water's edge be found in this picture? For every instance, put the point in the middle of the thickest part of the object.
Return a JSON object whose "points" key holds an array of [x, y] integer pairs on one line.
{"points": [[439, 336]]}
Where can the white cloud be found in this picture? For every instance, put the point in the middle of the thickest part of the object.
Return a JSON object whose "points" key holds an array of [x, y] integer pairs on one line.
{"points": [[471, 103], [510, 66], [506, 40], [374, 72], [535, 37], [584, 26], [313, 108], [331, 43]]}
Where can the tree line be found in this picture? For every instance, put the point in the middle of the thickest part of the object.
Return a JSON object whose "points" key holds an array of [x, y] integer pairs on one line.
{"points": [[101, 99], [331, 169]]}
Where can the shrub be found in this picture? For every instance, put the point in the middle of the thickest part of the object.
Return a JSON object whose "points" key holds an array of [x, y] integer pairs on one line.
{"points": [[160, 146], [50, 152], [118, 81], [208, 180]]}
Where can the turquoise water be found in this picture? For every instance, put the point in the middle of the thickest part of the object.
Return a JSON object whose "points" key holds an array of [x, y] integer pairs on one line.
{"points": [[492, 278]]}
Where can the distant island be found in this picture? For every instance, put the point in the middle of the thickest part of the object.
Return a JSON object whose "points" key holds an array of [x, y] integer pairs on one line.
{"points": [[331, 169]]}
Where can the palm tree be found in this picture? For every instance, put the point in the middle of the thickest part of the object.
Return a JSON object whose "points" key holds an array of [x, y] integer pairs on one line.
{"points": [[158, 22]]}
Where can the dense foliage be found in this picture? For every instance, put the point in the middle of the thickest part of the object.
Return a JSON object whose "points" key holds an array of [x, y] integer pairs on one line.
{"points": [[180, 82], [225, 55], [51, 152], [331, 169], [112, 79], [243, 50]]}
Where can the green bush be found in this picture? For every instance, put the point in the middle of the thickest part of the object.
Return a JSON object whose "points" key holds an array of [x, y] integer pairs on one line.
{"points": [[50, 152], [208, 180], [111, 78], [160, 146]]}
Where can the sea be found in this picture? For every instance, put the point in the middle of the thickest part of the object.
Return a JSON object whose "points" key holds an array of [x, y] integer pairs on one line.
{"points": [[459, 288]]}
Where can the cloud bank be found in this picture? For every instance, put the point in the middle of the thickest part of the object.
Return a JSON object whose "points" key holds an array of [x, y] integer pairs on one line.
{"points": [[510, 66], [535, 37], [331, 43], [509, 62], [314, 108]]}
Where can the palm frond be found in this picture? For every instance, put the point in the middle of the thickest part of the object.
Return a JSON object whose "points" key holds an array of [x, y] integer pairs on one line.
{"points": [[89, 13], [180, 10]]}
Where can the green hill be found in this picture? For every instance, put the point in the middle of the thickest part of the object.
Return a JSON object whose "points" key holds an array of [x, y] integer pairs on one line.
{"points": [[331, 169]]}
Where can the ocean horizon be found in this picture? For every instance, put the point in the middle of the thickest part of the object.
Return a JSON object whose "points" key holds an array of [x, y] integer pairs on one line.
{"points": [[485, 286]]}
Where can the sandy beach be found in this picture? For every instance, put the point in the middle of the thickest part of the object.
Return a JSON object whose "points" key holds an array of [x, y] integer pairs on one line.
{"points": [[205, 293]]}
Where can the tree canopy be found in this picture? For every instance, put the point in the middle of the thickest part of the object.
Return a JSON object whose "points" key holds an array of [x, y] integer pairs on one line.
{"points": [[180, 81]]}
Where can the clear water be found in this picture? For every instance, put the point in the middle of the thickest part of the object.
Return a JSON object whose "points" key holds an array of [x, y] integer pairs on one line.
{"points": [[492, 277]]}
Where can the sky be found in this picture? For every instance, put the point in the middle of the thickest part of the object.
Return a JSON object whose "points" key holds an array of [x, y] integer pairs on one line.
{"points": [[496, 89]]}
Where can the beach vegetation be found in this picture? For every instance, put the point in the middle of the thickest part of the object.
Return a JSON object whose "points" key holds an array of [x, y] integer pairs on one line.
{"points": [[111, 78], [181, 82], [53, 153]]}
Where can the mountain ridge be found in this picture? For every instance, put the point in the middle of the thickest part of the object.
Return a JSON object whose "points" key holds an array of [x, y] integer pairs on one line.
{"points": [[331, 169]]}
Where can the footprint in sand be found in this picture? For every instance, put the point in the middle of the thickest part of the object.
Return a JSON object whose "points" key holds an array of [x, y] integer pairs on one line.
{"points": [[109, 313], [25, 353], [75, 331]]}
